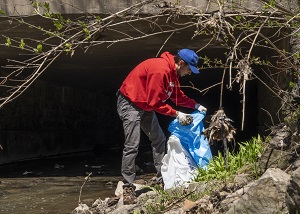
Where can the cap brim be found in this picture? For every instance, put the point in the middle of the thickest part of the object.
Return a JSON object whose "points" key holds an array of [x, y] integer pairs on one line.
{"points": [[194, 69]]}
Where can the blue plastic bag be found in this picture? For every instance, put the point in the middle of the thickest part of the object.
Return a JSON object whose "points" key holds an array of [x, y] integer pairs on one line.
{"points": [[192, 140]]}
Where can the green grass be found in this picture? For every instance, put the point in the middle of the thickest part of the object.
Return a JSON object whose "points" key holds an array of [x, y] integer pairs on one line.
{"points": [[244, 160]]}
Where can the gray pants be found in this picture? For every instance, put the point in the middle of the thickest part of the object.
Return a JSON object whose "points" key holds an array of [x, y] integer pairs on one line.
{"points": [[134, 119]]}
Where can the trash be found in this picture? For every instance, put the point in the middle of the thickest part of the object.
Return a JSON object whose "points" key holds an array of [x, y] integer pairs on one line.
{"points": [[178, 165], [29, 173], [26, 173], [220, 127], [192, 139], [57, 166], [187, 150]]}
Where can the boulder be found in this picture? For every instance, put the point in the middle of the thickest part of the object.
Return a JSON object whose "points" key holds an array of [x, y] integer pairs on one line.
{"points": [[274, 158], [266, 195], [282, 138], [293, 193]]}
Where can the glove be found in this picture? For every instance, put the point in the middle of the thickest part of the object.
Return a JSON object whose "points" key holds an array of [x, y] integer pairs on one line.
{"points": [[200, 108], [184, 119]]}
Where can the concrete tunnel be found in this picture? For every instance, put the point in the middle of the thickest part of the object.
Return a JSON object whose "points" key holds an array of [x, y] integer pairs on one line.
{"points": [[72, 106]]}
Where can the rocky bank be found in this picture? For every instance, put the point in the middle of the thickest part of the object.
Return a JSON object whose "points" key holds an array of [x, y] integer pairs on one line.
{"points": [[277, 190]]}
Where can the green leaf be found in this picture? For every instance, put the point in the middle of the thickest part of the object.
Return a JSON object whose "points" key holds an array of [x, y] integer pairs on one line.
{"points": [[8, 42], [82, 23], [87, 33], [238, 17], [58, 25], [46, 6], [39, 48], [99, 18], [36, 4], [272, 3], [22, 44], [68, 47], [2, 12]]}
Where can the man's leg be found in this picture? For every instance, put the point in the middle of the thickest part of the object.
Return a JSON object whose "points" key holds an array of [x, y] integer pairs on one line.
{"points": [[152, 129], [131, 117]]}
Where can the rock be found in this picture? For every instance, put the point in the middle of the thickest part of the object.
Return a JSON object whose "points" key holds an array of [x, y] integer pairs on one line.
{"points": [[264, 196], [174, 211], [81, 209], [125, 209], [282, 138], [232, 199], [197, 187], [293, 193], [88, 201], [242, 179], [273, 158], [113, 201], [200, 206], [294, 165], [295, 145], [119, 189]]}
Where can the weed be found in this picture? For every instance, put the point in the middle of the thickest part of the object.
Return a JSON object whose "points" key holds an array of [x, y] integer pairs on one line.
{"points": [[244, 160]]}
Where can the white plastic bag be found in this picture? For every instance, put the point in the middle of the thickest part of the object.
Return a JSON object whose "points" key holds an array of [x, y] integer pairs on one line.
{"points": [[178, 166], [187, 150]]}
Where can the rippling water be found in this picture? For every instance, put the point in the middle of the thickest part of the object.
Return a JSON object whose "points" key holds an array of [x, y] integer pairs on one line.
{"points": [[52, 185], [51, 194]]}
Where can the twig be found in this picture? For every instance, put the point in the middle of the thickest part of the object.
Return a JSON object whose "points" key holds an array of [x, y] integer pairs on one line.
{"points": [[222, 86], [85, 180], [201, 91], [269, 115], [244, 103], [164, 43]]}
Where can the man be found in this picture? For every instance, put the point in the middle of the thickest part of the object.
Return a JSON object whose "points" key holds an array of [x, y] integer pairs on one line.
{"points": [[144, 92]]}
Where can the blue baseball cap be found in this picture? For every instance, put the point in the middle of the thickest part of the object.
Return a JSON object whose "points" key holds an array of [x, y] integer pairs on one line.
{"points": [[191, 58]]}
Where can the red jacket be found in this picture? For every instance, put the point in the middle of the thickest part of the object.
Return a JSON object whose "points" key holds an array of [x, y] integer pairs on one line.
{"points": [[152, 82]]}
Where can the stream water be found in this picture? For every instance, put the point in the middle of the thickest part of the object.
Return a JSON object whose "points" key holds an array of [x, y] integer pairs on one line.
{"points": [[51, 194], [52, 185]]}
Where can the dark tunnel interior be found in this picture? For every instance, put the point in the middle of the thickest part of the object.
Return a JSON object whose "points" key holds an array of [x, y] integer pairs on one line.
{"points": [[72, 106]]}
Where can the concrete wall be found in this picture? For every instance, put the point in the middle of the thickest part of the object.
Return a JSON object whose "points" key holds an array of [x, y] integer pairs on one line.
{"points": [[24, 7]]}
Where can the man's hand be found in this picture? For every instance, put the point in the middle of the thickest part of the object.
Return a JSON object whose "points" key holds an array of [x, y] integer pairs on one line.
{"points": [[184, 119], [200, 108]]}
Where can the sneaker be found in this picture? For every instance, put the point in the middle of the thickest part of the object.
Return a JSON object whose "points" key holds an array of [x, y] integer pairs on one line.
{"points": [[129, 196]]}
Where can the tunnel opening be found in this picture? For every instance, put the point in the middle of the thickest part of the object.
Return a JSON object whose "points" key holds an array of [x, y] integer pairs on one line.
{"points": [[72, 106]]}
